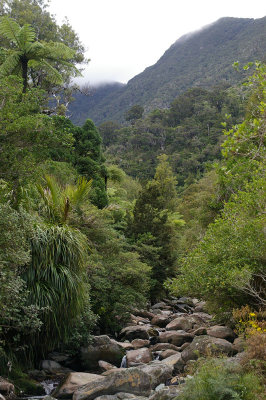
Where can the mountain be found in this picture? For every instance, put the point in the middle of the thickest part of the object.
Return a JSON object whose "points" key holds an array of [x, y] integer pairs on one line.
{"points": [[203, 58]]}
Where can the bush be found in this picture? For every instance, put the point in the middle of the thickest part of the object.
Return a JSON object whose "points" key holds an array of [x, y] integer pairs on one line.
{"points": [[218, 379]]}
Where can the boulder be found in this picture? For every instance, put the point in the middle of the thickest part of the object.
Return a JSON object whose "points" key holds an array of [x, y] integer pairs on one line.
{"points": [[138, 343], [206, 345], [142, 355], [203, 316], [164, 346], [175, 361], [105, 366], [200, 306], [6, 387], [2, 397], [138, 320], [53, 367], [74, 381], [222, 332], [159, 305], [166, 393], [102, 348], [125, 345], [180, 323], [136, 332], [138, 380], [176, 337], [160, 320], [144, 314], [200, 331], [121, 396], [239, 344], [167, 353]]}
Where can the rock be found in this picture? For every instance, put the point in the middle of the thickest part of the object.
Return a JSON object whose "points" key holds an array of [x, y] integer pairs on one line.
{"points": [[6, 387], [167, 353], [121, 396], [184, 346], [137, 319], [206, 345], [200, 306], [53, 367], [2, 397], [58, 357], [105, 366], [125, 345], [160, 320], [179, 323], [74, 381], [185, 300], [36, 374], [136, 332], [138, 380], [175, 361], [138, 343], [239, 344], [222, 332], [164, 346], [200, 331], [159, 305], [203, 316], [102, 348], [176, 337], [142, 355], [167, 393], [144, 314]]}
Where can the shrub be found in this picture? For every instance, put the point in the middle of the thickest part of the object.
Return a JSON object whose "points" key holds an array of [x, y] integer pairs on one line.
{"points": [[218, 379]]}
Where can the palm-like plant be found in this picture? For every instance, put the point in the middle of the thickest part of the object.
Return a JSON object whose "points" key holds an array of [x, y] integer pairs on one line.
{"points": [[56, 277], [25, 52]]}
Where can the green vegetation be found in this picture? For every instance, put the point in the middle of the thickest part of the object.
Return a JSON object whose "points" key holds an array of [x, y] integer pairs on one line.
{"points": [[85, 241]]}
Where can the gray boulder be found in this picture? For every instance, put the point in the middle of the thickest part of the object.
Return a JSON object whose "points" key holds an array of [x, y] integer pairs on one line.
{"points": [[222, 332], [72, 382], [176, 338], [139, 381], [102, 348], [136, 332], [180, 323], [175, 361], [142, 355], [206, 345]]}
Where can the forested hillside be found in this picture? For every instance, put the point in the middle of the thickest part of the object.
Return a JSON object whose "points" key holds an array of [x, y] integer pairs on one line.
{"points": [[203, 59], [107, 231]]}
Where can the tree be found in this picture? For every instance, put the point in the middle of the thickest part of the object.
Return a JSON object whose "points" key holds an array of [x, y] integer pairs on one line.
{"points": [[25, 51], [134, 113], [154, 224], [89, 161]]}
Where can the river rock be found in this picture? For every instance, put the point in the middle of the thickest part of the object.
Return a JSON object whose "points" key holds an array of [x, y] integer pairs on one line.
{"points": [[159, 305], [105, 366], [72, 382], [136, 332], [138, 380], [102, 348], [164, 346], [222, 332], [53, 367], [138, 343], [176, 337], [167, 353], [2, 397], [6, 387], [175, 361], [239, 344], [205, 345], [161, 320], [200, 306], [180, 323], [138, 320], [144, 314], [121, 396], [166, 393], [142, 355], [200, 331], [126, 345]]}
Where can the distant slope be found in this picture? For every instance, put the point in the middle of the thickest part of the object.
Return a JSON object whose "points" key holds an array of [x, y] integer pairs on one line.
{"points": [[202, 58]]}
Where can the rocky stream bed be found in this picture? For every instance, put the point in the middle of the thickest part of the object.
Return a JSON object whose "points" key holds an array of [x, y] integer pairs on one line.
{"points": [[150, 359]]}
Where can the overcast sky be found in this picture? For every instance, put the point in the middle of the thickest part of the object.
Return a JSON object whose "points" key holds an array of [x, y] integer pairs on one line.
{"points": [[123, 37]]}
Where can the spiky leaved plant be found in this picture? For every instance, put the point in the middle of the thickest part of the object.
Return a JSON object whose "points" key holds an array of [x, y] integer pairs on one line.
{"points": [[56, 277]]}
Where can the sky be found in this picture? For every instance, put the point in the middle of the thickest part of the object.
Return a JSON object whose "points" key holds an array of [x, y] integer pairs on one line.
{"points": [[123, 37]]}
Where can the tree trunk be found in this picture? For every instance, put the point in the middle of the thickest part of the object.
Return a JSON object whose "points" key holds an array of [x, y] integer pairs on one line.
{"points": [[24, 65]]}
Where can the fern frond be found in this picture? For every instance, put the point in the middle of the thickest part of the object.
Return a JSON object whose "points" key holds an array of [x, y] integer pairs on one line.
{"points": [[26, 35], [10, 29], [9, 65]]}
